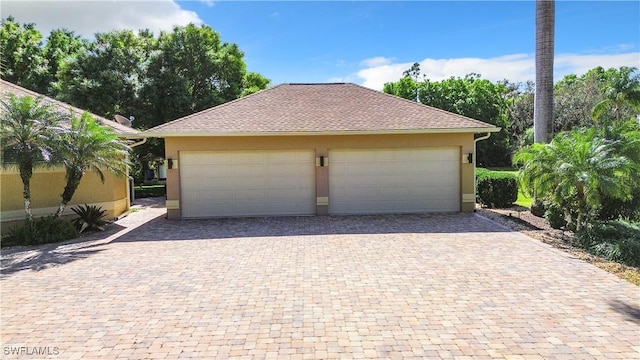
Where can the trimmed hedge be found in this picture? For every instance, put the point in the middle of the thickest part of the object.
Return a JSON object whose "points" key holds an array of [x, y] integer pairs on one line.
{"points": [[146, 191], [496, 189]]}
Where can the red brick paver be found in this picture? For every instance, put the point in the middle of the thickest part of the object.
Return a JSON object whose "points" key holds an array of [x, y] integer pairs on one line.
{"points": [[410, 286]]}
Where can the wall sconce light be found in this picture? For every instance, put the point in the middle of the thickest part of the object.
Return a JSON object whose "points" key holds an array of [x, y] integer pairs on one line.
{"points": [[321, 161], [170, 163], [470, 158]]}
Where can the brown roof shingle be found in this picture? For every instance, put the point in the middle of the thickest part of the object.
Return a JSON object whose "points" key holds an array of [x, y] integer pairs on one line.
{"points": [[10, 88], [318, 109]]}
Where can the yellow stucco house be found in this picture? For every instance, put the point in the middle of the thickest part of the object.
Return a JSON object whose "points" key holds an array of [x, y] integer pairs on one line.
{"points": [[47, 184], [318, 149]]}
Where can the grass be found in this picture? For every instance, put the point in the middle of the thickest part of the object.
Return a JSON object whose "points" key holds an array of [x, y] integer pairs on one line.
{"points": [[144, 191], [524, 200]]}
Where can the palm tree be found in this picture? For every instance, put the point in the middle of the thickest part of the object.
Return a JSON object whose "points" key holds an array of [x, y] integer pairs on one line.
{"points": [[89, 146], [28, 130], [543, 102], [575, 171], [622, 93]]}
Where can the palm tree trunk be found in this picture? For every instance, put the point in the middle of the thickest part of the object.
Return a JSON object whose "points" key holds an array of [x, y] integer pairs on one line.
{"points": [[26, 171], [73, 182], [543, 102], [26, 193]]}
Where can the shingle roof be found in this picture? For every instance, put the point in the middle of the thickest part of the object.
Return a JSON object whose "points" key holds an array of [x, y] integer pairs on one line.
{"points": [[7, 87], [318, 109]]}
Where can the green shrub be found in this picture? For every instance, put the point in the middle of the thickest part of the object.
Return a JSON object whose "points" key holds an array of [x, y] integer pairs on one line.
{"points": [[554, 216], [146, 191], [42, 231], [614, 240], [613, 209], [538, 208], [496, 189], [90, 217]]}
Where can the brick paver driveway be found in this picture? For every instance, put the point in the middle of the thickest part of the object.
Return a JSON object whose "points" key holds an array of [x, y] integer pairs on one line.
{"points": [[414, 286]]}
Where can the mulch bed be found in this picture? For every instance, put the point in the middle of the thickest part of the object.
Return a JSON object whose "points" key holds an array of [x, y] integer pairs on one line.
{"points": [[520, 219]]}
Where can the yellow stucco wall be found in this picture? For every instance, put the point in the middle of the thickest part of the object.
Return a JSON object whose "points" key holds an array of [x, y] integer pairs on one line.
{"points": [[322, 145], [46, 189]]}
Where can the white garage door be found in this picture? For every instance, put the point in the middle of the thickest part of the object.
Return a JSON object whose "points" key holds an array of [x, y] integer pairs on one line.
{"points": [[377, 181], [247, 183]]}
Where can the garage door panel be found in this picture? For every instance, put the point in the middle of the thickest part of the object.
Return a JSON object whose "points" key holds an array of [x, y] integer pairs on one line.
{"points": [[394, 180], [247, 183]]}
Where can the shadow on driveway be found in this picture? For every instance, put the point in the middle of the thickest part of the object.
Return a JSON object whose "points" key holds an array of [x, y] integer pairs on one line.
{"points": [[631, 312], [44, 257], [161, 229]]}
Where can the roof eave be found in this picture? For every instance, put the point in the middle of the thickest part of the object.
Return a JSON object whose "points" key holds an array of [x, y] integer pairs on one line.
{"points": [[474, 130]]}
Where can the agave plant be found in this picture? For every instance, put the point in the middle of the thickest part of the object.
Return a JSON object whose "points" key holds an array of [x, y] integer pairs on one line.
{"points": [[90, 217]]}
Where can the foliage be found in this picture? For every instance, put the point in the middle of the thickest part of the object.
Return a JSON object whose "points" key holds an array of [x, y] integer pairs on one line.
{"points": [[621, 96], [21, 53], [626, 137], [145, 191], [88, 146], [555, 216], [519, 98], [90, 217], [496, 189], [191, 70], [155, 79], [105, 78], [62, 46], [614, 240], [42, 231], [253, 82], [574, 171], [470, 96], [28, 129]]}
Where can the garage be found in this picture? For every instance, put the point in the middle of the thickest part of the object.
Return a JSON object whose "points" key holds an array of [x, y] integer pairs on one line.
{"points": [[247, 183], [378, 181]]}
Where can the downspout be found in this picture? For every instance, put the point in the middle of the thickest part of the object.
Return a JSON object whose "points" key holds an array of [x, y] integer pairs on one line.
{"points": [[475, 181]]}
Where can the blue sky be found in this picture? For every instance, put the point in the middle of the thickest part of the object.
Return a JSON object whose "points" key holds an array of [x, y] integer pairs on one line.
{"points": [[322, 41], [371, 42]]}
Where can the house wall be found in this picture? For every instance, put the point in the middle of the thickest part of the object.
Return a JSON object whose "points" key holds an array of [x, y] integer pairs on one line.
{"points": [[46, 189], [321, 144]]}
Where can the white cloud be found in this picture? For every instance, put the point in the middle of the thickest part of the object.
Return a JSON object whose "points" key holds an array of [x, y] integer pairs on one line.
{"points": [[515, 67], [376, 61], [88, 17]]}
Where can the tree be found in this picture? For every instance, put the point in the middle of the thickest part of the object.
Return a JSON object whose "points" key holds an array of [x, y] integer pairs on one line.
{"points": [[470, 96], [253, 82], [192, 70], [574, 99], [21, 55], [621, 95], [61, 46], [28, 130], [520, 99], [574, 172], [106, 78], [413, 72], [543, 109], [89, 146]]}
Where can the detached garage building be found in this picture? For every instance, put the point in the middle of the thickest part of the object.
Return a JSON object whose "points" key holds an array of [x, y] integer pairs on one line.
{"points": [[318, 149]]}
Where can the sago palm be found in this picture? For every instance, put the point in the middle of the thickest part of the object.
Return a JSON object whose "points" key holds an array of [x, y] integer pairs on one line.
{"points": [[575, 170], [88, 146], [28, 129]]}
